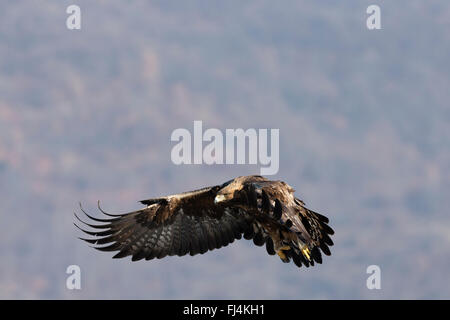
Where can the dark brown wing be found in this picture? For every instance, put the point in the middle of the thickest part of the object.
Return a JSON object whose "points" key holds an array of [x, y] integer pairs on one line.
{"points": [[314, 231], [176, 225], [318, 229]]}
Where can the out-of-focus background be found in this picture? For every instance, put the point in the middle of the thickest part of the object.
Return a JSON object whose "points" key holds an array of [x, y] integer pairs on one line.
{"points": [[364, 121]]}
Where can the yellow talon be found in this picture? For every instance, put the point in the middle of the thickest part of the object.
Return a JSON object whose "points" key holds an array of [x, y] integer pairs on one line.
{"points": [[306, 252]]}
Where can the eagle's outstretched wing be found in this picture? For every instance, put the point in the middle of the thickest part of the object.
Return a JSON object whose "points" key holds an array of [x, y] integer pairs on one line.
{"points": [[210, 218], [173, 225]]}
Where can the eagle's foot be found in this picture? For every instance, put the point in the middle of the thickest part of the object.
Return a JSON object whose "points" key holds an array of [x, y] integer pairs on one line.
{"points": [[282, 255]]}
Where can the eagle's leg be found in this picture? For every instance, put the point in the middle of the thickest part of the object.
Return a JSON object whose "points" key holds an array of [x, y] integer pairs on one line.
{"points": [[282, 255], [280, 246]]}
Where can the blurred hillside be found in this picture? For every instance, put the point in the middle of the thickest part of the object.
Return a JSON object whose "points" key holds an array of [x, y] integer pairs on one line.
{"points": [[364, 123]]}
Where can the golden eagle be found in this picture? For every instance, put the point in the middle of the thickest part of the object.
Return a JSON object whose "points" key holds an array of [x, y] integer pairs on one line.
{"points": [[210, 218]]}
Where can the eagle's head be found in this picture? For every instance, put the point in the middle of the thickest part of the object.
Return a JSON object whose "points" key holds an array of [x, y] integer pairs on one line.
{"points": [[226, 192], [233, 192]]}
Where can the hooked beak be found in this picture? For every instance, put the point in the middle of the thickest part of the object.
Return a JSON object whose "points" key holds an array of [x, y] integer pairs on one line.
{"points": [[219, 198]]}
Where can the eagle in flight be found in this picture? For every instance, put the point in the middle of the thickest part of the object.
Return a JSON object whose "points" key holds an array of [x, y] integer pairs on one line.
{"points": [[213, 217]]}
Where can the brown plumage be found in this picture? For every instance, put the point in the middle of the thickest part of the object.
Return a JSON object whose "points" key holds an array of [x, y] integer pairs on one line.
{"points": [[210, 218]]}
